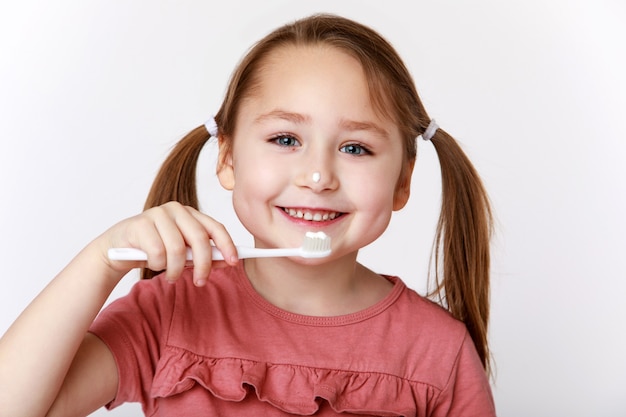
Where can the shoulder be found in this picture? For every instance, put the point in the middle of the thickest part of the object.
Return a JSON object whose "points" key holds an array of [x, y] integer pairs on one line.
{"points": [[154, 303], [440, 352], [426, 335], [155, 292], [423, 314]]}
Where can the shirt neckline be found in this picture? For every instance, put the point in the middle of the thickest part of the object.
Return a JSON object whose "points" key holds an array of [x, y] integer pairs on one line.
{"points": [[319, 321]]}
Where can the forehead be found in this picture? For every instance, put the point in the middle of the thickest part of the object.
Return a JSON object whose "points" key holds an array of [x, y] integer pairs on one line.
{"points": [[314, 74], [317, 65]]}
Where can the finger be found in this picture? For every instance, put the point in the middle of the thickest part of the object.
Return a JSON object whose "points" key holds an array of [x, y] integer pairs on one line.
{"points": [[140, 232], [220, 237], [200, 243], [198, 238], [173, 241]]}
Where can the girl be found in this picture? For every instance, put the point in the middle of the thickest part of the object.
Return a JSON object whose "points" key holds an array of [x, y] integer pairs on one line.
{"points": [[317, 132]]}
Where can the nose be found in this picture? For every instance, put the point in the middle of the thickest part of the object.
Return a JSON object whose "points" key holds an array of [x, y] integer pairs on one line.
{"points": [[317, 179], [318, 173]]}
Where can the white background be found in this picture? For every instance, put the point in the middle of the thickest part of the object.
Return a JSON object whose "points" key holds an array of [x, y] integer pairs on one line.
{"points": [[93, 94]]}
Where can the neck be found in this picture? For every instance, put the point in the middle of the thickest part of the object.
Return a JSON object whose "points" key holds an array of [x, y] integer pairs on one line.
{"points": [[338, 287]]}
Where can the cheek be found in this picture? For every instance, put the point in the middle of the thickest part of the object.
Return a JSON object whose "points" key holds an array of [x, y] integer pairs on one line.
{"points": [[256, 183], [378, 202], [256, 175], [376, 188], [374, 199]]}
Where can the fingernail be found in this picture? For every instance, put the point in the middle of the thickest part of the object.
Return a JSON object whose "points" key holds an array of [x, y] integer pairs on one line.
{"points": [[200, 283], [234, 260]]}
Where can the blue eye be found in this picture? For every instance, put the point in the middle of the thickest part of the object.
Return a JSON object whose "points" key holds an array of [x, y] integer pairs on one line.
{"points": [[354, 149], [285, 140]]}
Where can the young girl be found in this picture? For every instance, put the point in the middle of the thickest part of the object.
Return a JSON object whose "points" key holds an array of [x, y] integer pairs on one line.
{"points": [[317, 132]]}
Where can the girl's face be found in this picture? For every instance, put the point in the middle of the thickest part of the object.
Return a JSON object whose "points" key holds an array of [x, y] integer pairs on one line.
{"points": [[312, 114]]}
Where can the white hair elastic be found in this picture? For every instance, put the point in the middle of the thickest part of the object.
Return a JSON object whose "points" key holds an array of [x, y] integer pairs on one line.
{"points": [[430, 130], [211, 127], [316, 177]]}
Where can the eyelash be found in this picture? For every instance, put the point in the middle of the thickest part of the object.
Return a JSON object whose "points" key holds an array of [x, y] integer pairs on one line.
{"points": [[277, 140], [363, 150]]}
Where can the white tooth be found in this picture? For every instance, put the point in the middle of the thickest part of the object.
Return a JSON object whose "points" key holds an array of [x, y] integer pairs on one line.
{"points": [[308, 216], [325, 216], [317, 217], [299, 214], [292, 212], [332, 215]]}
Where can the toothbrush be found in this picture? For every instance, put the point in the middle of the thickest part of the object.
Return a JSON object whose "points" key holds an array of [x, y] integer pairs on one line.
{"points": [[315, 245]]}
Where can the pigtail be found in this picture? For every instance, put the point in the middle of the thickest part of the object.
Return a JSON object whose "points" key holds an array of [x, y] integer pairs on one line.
{"points": [[461, 247], [176, 179]]}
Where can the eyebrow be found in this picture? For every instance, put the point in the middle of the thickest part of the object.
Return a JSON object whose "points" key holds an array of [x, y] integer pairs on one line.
{"points": [[353, 125], [298, 118], [284, 115]]}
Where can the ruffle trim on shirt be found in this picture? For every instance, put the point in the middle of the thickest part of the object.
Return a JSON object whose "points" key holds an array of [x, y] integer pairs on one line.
{"points": [[294, 389]]}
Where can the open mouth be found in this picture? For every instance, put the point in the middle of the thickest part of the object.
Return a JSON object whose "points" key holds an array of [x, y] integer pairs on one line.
{"points": [[312, 215]]}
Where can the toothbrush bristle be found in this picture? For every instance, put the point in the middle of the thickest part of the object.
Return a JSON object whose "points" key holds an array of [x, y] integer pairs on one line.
{"points": [[316, 245]]}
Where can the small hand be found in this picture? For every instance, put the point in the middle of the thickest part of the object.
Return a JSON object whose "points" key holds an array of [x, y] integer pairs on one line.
{"points": [[164, 233]]}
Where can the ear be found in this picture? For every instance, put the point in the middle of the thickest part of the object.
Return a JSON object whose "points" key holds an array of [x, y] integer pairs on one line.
{"points": [[403, 189], [225, 168]]}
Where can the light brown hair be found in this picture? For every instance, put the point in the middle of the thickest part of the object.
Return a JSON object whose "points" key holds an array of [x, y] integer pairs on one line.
{"points": [[461, 248]]}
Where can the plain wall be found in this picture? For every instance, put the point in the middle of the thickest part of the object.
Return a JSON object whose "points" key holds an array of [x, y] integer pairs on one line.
{"points": [[93, 94]]}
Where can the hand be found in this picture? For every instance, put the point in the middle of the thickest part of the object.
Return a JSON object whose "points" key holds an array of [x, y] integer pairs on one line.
{"points": [[164, 233]]}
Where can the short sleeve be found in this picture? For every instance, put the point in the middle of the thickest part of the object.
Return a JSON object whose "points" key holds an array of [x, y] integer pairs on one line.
{"points": [[467, 392], [133, 327]]}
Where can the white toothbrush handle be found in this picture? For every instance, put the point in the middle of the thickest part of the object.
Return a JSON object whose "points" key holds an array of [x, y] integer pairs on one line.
{"points": [[248, 252], [133, 254]]}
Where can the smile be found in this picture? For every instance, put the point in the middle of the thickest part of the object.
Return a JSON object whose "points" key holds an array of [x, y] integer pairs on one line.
{"points": [[311, 215]]}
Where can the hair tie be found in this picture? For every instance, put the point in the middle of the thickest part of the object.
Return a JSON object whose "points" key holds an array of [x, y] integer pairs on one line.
{"points": [[430, 130], [211, 127]]}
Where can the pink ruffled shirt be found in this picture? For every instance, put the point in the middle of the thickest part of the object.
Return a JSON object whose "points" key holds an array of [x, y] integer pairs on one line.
{"points": [[223, 350]]}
